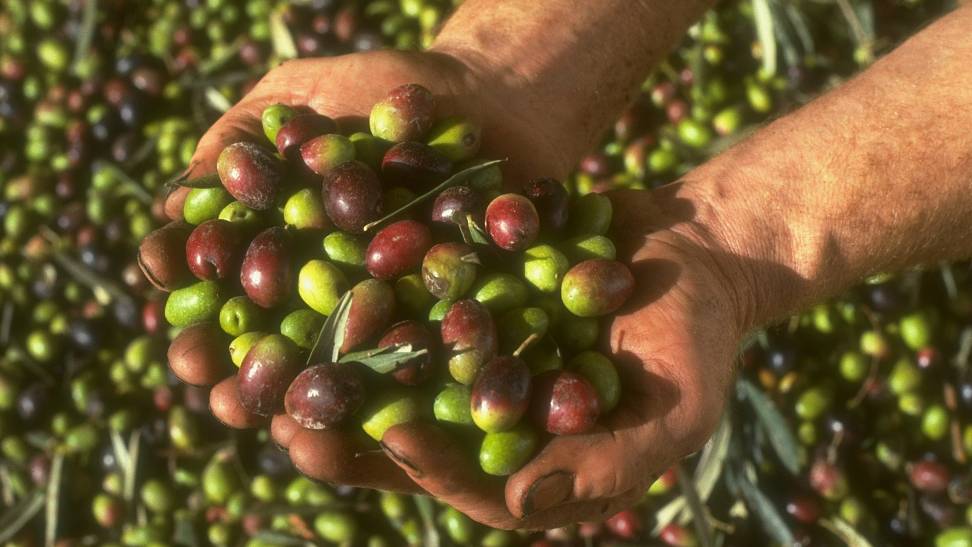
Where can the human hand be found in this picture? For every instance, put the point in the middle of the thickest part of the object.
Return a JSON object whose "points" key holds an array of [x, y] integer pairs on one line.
{"points": [[673, 343]]}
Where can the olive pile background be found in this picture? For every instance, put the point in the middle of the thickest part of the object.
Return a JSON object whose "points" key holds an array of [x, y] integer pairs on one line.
{"points": [[852, 422]]}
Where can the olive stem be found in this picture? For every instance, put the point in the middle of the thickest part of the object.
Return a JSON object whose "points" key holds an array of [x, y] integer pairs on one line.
{"points": [[526, 344]]}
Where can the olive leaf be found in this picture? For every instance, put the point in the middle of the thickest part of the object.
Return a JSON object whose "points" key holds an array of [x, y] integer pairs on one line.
{"points": [[476, 234], [708, 470], [283, 42], [779, 435], [53, 502], [700, 515], [449, 182], [217, 100], [763, 508], [426, 512], [331, 336], [847, 533], [130, 473], [15, 518], [386, 359], [766, 33]]}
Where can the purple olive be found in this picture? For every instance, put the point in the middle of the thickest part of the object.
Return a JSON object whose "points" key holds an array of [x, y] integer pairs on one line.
{"points": [[453, 204], [267, 272], [250, 174], [266, 373], [352, 196], [419, 369], [214, 250], [500, 394], [415, 165], [325, 396], [564, 403], [551, 200], [300, 129], [512, 222], [469, 336], [397, 249]]}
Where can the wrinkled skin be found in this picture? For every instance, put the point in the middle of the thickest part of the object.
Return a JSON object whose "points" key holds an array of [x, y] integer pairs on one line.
{"points": [[673, 342]]}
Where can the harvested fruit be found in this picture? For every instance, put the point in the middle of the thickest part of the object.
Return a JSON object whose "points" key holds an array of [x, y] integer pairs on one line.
{"points": [[564, 403], [324, 396]]}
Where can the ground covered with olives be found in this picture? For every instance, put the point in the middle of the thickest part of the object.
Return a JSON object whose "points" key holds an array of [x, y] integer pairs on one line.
{"points": [[100, 446], [371, 279]]}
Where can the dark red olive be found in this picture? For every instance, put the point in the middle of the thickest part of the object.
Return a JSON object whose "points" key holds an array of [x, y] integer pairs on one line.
{"points": [[161, 256], [352, 196], [250, 174], [500, 394], [267, 272], [266, 373], [406, 114], [214, 250], [372, 306], [300, 129], [397, 249], [512, 222], [324, 396], [804, 508], [415, 165], [564, 403], [929, 476], [550, 199], [419, 369], [453, 204], [625, 525]]}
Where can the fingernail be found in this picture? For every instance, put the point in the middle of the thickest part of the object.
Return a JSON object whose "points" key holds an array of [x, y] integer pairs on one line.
{"points": [[548, 491], [400, 460]]}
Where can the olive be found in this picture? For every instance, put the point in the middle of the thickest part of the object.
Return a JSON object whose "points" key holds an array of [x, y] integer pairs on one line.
{"points": [[456, 138], [325, 395], [305, 211], [564, 403], [584, 248], [388, 409], [405, 114], [321, 285], [203, 204], [411, 293], [336, 527], [397, 249], [198, 302], [369, 149], [512, 222], [449, 270], [274, 117], [161, 256], [601, 373], [500, 292], [266, 272], [550, 199], [454, 204], [241, 345], [299, 130], [414, 165], [251, 174], [345, 249], [505, 452], [214, 250], [196, 356], [452, 405], [352, 196], [544, 268], [419, 369], [323, 153], [266, 373], [500, 394], [372, 306], [302, 327], [596, 287], [590, 215], [469, 337]]}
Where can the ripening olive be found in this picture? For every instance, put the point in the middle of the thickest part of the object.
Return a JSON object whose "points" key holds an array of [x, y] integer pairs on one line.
{"points": [[456, 138], [500, 394], [512, 222], [405, 114], [352, 196], [266, 373], [323, 153], [596, 287], [564, 403], [601, 373], [414, 165], [300, 130], [397, 249], [325, 395], [161, 256], [544, 267], [417, 370], [449, 270], [267, 273], [372, 306], [469, 337], [251, 174]]}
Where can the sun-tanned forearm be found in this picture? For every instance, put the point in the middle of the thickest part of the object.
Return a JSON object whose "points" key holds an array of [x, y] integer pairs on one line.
{"points": [[566, 66], [872, 177]]}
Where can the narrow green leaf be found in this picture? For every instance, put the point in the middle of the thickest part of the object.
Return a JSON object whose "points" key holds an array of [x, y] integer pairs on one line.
{"points": [[476, 234], [668, 513], [86, 30], [323, 346], [120, 450], [217, 100], [847, 533], [357, 356], [52, 517], [449, 182], [765, 511], [779, 434], [280, 37], [700, 516], [711, 464], [766, 34], [279, 538], [130, 474], [340, 330], [15, 518], [425, 509], [384, 363]]}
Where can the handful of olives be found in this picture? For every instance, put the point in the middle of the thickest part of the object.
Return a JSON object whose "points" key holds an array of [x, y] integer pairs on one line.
{"points": [[386, 277]]}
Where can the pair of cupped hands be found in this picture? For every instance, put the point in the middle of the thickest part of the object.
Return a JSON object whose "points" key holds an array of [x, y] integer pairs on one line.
{"points": [[673, 342]]}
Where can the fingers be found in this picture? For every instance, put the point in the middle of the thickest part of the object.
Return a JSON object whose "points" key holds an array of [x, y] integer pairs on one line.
{"points": [[282, 429], [224, 403], [340, 457], [195, 358], [446, 470]]}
